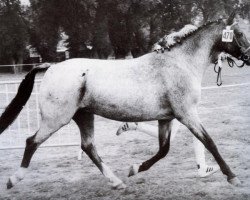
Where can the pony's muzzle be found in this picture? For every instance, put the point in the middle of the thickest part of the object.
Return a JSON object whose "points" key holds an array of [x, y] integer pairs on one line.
{"points": [[246, 59]]}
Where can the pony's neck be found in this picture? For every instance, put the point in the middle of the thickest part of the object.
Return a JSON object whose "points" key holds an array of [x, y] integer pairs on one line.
{"points": [[199, 48]]}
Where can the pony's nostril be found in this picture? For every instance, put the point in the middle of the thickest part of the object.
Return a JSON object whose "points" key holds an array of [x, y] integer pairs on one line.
{"points": [[245, 57]]}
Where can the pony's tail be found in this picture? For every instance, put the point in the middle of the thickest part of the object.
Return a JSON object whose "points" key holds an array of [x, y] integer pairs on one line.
{"points": [[22, 96]]}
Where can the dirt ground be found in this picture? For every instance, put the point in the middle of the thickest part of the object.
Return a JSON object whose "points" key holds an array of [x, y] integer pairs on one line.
{"points": [[55, 173]]}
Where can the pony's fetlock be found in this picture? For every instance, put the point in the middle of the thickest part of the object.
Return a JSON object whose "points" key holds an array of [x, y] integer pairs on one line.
{"points": [[234, 181], [13, 180], [17, 177]]}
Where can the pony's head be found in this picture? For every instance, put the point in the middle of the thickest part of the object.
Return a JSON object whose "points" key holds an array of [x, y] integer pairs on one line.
{"points": [[239, 47]]}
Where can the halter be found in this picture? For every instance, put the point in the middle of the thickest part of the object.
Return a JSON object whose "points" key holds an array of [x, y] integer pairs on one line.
{"points": [[243, 55], [222, 57]]}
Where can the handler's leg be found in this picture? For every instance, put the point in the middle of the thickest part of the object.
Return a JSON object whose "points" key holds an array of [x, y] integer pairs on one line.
{"points": [[149, 129], [204, 170]]}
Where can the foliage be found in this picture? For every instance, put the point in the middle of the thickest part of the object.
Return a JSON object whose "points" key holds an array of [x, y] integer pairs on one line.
{"points": [[115, 27], [13, 32], [76, 17], [44, 27]]}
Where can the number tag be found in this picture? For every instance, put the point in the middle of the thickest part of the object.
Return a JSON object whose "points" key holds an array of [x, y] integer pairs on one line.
{"points": [[227, 35]]}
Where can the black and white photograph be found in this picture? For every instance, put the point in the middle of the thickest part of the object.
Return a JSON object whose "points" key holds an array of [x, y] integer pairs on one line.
{"points": [[125, 99]]}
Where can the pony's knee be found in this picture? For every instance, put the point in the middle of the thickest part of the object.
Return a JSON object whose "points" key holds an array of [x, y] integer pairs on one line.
{"points": [[205, 138], [90, 150], [87, 147]]}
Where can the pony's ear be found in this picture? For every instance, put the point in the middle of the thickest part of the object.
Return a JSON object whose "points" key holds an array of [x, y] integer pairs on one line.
{"points": [[230, 19]]}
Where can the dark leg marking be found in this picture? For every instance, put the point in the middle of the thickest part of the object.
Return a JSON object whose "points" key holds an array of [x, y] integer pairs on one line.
{"points": [[164, 145], [192, 122], [85, 122], [30, 149], [212, 148], [90, 150]]}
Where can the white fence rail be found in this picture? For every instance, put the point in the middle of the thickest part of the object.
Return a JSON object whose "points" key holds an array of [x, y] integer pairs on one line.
{"points": [[27, 122]]}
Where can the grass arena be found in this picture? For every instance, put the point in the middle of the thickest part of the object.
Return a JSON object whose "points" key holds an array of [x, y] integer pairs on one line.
{"points": [[55, 172]]}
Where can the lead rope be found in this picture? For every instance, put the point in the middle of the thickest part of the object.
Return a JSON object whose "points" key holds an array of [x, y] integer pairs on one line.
{"points": [[218, 66], [219, 62], [231, 63], [219, 79]]}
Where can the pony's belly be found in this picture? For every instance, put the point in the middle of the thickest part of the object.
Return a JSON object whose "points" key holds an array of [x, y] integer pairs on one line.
{"points": [[130, 104], [134, 118], [136, 113]]}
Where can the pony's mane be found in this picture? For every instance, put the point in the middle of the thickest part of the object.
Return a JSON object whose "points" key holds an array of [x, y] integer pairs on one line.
{"points": [[169, 41]]}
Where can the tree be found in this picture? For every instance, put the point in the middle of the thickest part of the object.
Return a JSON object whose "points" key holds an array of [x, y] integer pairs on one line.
{"points": [[13, 32], [244, 7], [116, 11], [116, 26], [44, 27], [129, 26], [76, 17], [102, 47], [140, 26]]}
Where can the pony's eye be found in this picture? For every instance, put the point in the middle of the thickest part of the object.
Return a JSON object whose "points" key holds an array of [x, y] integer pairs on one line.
{"points": [[240, 34]]}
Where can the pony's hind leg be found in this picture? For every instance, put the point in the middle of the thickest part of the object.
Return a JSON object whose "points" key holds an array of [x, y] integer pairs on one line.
{"points": [[85, 122], [164, 145], [191, 120], [46, 129]]}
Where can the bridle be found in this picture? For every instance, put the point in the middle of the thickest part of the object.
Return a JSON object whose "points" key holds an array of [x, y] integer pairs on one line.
{"points": [[222, 57], [244, 57]]}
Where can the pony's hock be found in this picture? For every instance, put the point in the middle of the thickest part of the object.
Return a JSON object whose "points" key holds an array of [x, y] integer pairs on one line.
{"points": [[165, 86]]}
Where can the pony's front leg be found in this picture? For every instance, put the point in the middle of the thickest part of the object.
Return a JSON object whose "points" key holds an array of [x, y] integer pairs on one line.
{"points": [[85, 122], [191, 120], [164, 144]]}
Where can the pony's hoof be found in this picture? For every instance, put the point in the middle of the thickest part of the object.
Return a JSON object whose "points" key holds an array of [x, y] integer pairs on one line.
{"points": [[9, 184], [235, 181], [120, 186], [134, 169]]}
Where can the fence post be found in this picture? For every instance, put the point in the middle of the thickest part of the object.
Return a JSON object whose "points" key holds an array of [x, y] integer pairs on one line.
{"points": [[14, 68]]}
